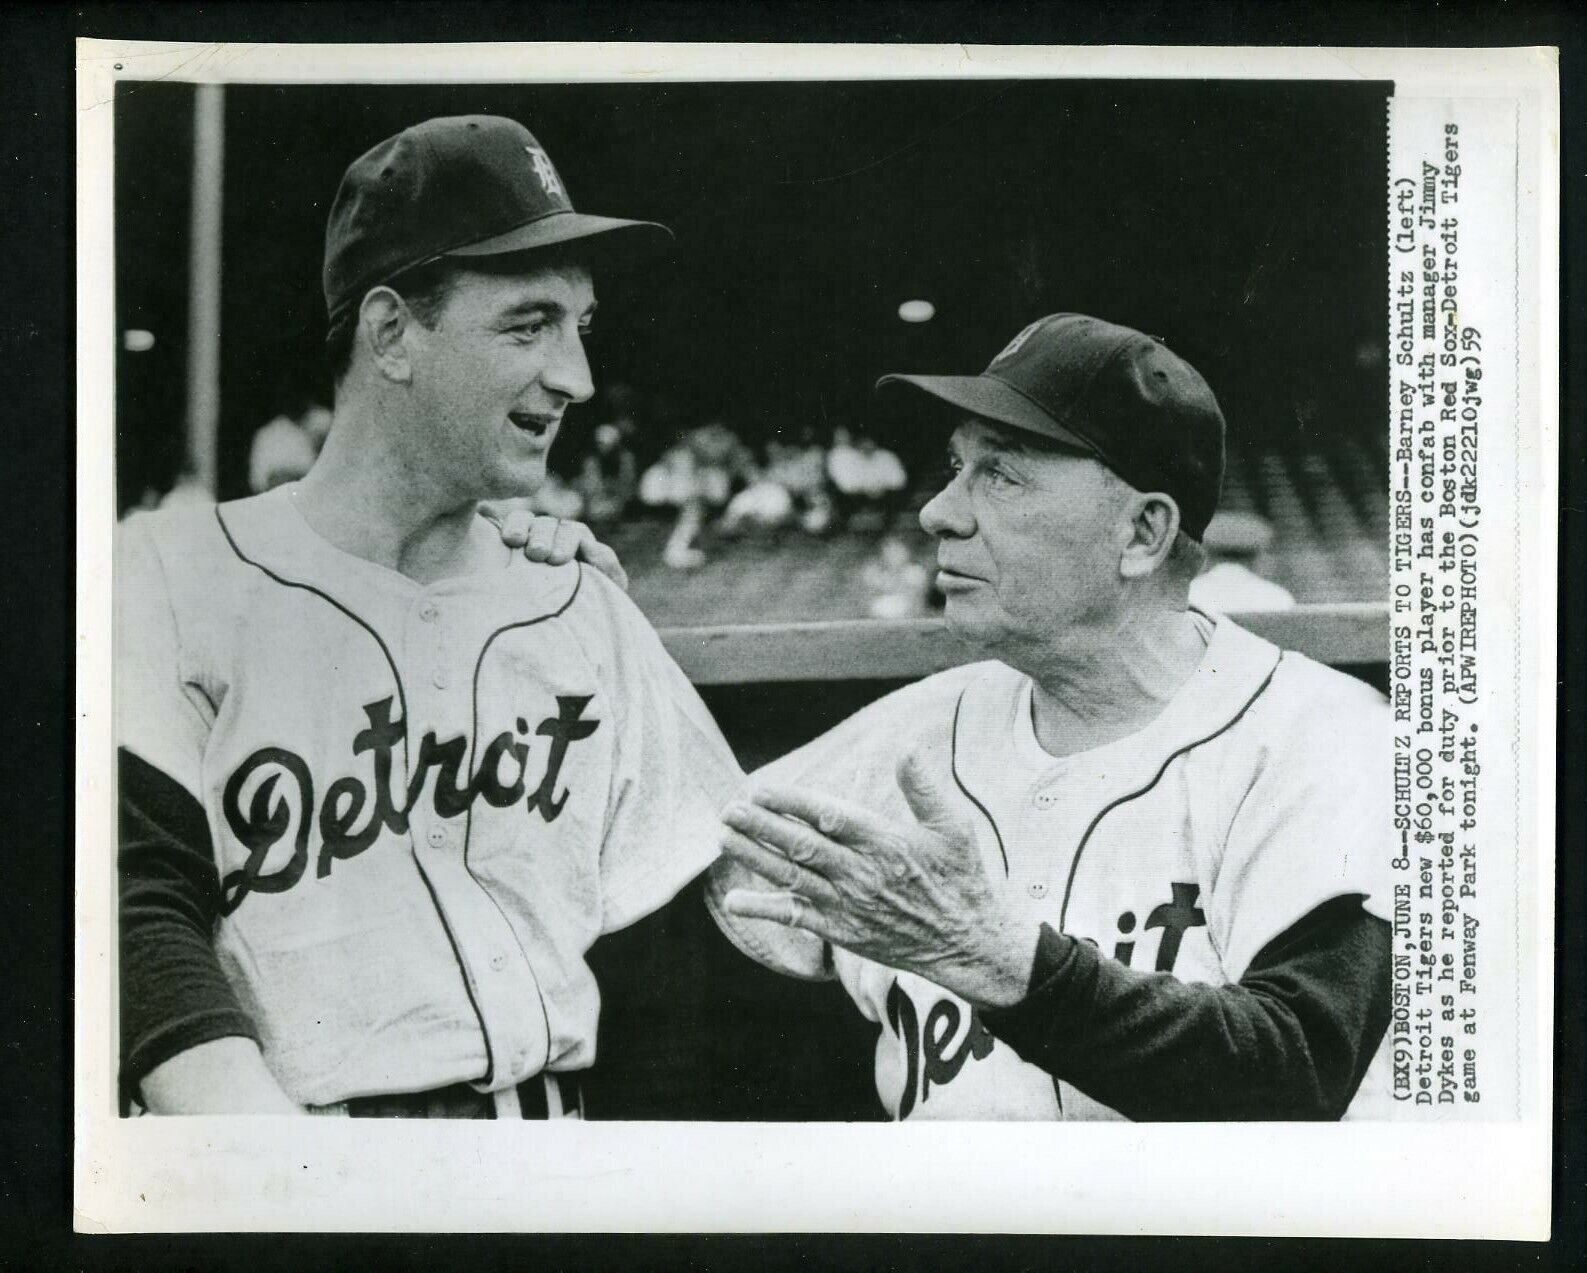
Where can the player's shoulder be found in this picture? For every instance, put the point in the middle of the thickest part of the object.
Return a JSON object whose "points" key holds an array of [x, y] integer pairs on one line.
{"points": [[1275, 681], [932, 699], [945, 688], [864, 748], [1310, 715], [591, 602], [178, 524], [211, 558], [1329, 700], [603, 621], [595, 593], [184, 540]]}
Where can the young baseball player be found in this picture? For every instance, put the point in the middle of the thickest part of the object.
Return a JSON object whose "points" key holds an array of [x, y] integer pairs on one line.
{"points": [[383, 780], [1130, 866]]}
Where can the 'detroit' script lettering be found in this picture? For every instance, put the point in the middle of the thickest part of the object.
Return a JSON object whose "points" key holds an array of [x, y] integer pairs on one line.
{"points": [[268, 817]]}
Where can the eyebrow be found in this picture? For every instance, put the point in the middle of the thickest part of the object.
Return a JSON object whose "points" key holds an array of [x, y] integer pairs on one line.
{"points": [[550, 308], [997, 442], [1019, 446], [1016, 442]]}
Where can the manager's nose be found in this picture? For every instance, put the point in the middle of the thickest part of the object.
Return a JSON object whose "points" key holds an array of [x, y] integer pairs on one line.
{"points": [[947, 514]]}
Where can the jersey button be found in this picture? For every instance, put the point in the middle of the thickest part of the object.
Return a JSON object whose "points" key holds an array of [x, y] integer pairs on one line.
{"points": [[1045, 799], [440, 680], [498, 961], [1037, 890], [429, 611], [437, 837]]}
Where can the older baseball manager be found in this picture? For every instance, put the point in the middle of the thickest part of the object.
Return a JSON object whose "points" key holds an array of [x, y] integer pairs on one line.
{"points": [[1128, 866], [384, 782]]}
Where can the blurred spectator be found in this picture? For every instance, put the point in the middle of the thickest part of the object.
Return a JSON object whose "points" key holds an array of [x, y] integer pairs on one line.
{"points": [[763, 504], [843, 457], [670, 482], [282, 451], [607, 478], [792, 486], [896, 580], [188, 490], [621, 410], [697, 476], [555, 498], [722, 462], [316, 422], [869, 480], [1238, 558], [801, 470]]}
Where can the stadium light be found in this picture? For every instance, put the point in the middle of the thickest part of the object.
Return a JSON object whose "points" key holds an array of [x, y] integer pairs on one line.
{"points": [[917, 311]]}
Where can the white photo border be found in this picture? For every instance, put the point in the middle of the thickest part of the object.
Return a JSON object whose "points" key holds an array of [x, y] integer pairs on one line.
{"points": [[1489, 1180]]}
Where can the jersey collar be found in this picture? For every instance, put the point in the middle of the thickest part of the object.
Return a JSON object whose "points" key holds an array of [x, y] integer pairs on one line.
{"points": [[1234, 669], [269, 531]]}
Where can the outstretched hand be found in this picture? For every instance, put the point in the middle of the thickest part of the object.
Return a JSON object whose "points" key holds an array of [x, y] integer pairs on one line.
{"points": [[914, 896], [554, 540]]}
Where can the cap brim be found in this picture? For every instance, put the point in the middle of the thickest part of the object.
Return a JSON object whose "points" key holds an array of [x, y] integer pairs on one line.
{"points": [[984, 396], [645, 237]]}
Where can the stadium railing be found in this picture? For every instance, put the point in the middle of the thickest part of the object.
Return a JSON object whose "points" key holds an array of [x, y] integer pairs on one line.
{"points": [[889, 650]]}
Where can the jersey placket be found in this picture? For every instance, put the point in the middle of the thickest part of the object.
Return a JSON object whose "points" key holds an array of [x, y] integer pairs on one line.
{"points": [[439, 641], [1036, 824]]}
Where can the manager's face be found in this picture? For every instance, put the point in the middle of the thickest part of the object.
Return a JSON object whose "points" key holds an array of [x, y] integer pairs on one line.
{"points": [[494, 372], [1029, 538]]}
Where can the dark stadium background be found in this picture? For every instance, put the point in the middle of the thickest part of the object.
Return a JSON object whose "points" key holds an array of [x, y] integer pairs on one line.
{"points": [[1244, 223]]}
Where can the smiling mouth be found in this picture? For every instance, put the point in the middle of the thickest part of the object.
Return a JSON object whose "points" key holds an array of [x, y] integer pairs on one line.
{"points": [[536, 426]]}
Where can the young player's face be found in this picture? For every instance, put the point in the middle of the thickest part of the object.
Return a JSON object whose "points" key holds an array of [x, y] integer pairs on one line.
{"points": [[1028, 540], [493, 377]]}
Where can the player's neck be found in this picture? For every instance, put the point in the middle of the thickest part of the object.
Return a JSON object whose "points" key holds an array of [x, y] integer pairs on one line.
{"points": [[1096, 691], [363, 498]]}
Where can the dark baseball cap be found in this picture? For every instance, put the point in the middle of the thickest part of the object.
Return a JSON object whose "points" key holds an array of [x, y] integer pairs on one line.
{"points": [[458, 186], [1110, 391]]}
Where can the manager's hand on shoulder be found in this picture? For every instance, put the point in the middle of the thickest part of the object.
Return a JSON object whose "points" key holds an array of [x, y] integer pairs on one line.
{"points": [[554, 540]]}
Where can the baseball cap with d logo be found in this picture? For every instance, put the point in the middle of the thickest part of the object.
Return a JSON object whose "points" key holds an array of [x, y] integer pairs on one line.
{"points": [[1110, 391], [466, 185]]}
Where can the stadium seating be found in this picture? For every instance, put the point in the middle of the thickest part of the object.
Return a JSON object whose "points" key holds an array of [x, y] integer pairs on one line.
{"points": [[1329, 509]]}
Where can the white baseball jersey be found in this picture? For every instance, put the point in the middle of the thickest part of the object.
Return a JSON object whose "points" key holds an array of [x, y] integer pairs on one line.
{"points": [[1259, 793], [425, 802]]}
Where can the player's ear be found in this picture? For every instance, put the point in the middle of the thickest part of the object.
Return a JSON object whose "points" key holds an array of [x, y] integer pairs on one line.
{"points": [[383, 325], [1154, 524]]}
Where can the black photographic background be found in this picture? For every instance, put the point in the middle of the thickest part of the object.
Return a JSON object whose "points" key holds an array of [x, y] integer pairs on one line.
{"points": [[1242, 222]]}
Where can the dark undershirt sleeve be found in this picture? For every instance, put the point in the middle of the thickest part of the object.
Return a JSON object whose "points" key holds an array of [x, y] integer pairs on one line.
{"points": [[174, 995], [1291, 1040]]}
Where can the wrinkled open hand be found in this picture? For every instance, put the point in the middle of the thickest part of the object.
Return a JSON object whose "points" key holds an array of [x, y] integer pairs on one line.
{"points": [[916, 897], [554, 540]]}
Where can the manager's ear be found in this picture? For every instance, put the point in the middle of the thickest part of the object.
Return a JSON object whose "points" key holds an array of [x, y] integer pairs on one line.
{"points": [[383, 326], [1153, 529]]}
